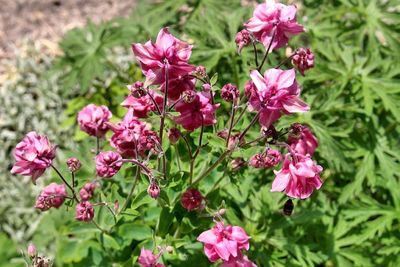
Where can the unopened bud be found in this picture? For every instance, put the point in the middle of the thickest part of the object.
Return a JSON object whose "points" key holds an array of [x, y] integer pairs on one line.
{"points": [[153, 190], [169, 249], [201, 71], [73, 164], [242, 39], [303, 60], [32, 252], [229, 92], [222, 211]]}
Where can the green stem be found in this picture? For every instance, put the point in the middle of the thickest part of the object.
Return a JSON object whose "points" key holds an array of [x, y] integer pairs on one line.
{"points": [[65, 182], [128, 198], [212, 167]]}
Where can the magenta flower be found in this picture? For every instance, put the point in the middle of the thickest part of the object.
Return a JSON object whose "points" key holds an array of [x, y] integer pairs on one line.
{"points": [[303, 60], [73, 164], [199, 111], [52, 196], [178, 85], [249, 88], [154, 190], [33, 155], [137, 89], [242, 39], [108, 164], [191, 199], [222, 242], [229, 92], [274, 20], [141, 106], [298, 179], [87, 191], [305, 142], [167, 52], [239, 261], [92, 120], [127, 134], [148, 259], [84, 211], [277, 92]]}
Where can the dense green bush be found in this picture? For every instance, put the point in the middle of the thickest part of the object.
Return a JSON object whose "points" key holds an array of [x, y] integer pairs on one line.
{"points": [[354, 92]]}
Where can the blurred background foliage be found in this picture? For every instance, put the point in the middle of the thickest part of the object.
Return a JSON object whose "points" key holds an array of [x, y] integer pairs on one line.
{"points": [[353, 90]]}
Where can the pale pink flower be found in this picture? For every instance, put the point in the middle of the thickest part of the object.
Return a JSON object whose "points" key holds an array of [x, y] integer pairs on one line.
{"points": [[141, 106], [92, 120], [87, 191], [239, 261], [199, 111], [73, 164], [303, 60], [33, 155], [229, 92], [191, 199], [148, 259], [242, 39], [167, 52], [108, 163], [277, 92], [32, 252], [84, 211], [222, 242], [298, 179], [52, 196], [274, 20], [127, 134], [305, 142]]}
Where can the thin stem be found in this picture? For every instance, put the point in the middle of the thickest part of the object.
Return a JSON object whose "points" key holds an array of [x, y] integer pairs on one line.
{"points": [[285, 60], [97, 145], [154, 101], [128, 198], [231, 123], [200, 139], [138, 163], [255, 52], [73, 179], [212, 167], [198, 78], [267, 52], [162, 122], [65, 182], [173, 105], [252, 142], [253, 121], [99, 227], [187, 145], [289, 148], [240, 116]]}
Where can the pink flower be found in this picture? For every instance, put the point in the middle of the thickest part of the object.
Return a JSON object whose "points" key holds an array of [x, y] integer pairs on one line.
{"points": [[73, 164], [272, 158], [178, 85], [222, 242], [127, 134], [242, 39], [201, 71], [229, 92], [137, 89], [249, 88], [154, 190], [141, 106], [52, 196], [191, 199], [167, 52], [92, 120], [274, 20], [87, 191], [33, 155], [32, 252], [148, 259], [303, 60], [239, 261], [108, 164], [297, 179], [84, 211], [257, 161], [199, 111], [276, 92], [305, 142]]}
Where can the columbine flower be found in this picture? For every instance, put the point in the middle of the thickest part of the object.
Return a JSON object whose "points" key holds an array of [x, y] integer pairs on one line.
{"points": [[229, 92], [298, 179], [87, 191], [137, 89], [154, 189], [33, 155], [222, 242], [191, 199], [239, 261], [141, 106], [199, 111], [127, 134], [277, 92], [84, 211], [73, 164], [257, 161], [108, 164], [274, 20], [272, 158], [242, 39], [52, 196], [167, 52], [148, 259], [304, 142], [92, 120], [303, 60]]}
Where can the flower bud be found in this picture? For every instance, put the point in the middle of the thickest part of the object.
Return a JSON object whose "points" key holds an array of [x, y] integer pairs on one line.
{"points": [[222, 211], [257, 161], [295, 131], [153, 190], [189, 96], [173, 135], [272, 158], [191, 199], [87, 191], [201, 71], [84, 211], [137, 89], [303, 60], [242, 39], [229, 92], [169, 249], [237, 164], [73, 164], [32, 252]]}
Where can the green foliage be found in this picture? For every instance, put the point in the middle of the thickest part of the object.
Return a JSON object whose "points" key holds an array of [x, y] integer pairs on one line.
{"points": [[353, 91]]}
